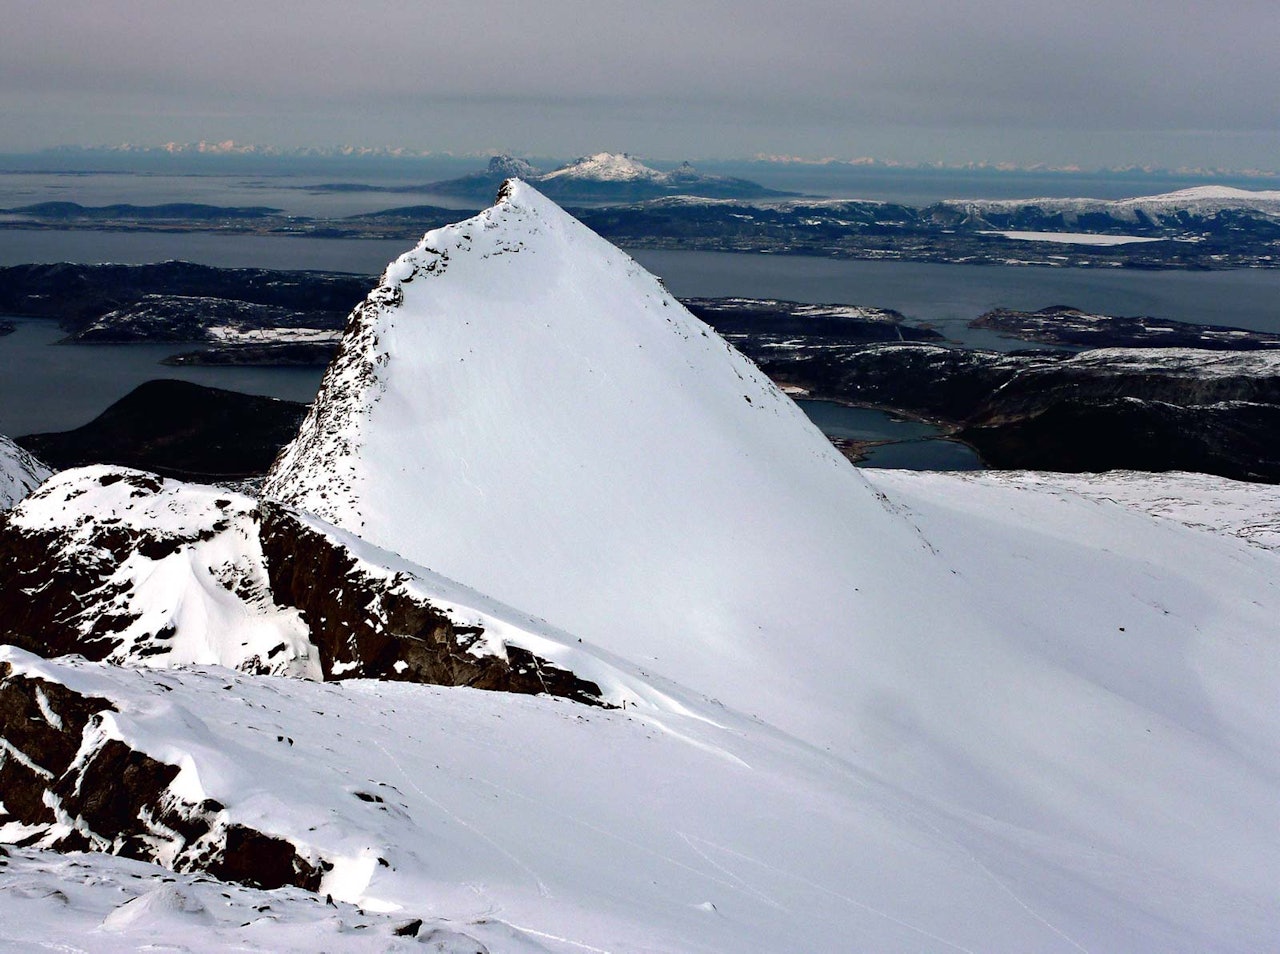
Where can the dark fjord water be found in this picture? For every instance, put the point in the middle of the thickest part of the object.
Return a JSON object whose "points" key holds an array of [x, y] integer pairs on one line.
{"points": [[45, 386]]}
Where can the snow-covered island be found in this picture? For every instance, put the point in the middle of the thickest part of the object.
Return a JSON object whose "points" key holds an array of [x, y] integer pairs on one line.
{"points": [[559, 628]]}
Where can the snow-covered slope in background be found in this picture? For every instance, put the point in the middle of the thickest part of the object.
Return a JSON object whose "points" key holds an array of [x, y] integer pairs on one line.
{"points": [[1201, 201], [20, 473], [1246, 511], [607, 167]]}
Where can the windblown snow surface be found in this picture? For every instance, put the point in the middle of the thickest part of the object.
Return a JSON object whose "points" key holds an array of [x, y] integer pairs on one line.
{"points": [[20, 473], [884, 712]]}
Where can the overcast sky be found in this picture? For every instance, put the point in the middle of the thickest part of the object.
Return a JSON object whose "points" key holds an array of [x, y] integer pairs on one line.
{"points": [[1087, 81]]}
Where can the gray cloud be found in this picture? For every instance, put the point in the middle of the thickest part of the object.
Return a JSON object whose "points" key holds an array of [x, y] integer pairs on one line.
{"points": [[664, 77]]}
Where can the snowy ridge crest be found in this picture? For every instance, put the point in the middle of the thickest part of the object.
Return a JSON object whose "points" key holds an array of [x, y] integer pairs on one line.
{"points": [[321, 464], [330, 433]]}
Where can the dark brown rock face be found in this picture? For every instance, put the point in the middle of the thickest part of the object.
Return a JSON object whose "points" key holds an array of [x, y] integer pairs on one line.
{"points": [[369, 624], [44, 595], [63, 590], [59, 593], [82, 790]]}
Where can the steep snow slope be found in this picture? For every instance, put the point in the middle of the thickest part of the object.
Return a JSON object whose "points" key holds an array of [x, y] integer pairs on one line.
{"points": [[20, 473], [521, 408]]}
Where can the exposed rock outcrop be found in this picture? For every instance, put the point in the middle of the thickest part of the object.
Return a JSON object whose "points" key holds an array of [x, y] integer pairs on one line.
{"points": [[126, 567], [1154, 409], [77, 787], [368, 622]]}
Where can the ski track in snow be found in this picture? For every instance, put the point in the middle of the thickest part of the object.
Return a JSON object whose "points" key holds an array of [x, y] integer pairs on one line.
{"points": [[543, 890]]}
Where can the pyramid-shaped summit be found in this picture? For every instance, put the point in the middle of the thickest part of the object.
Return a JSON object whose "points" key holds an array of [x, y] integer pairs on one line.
{"points": [[521, 407]]}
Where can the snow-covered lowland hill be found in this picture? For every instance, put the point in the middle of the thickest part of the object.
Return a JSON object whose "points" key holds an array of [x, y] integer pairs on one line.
{"points": [[832, 710], [1169, 209]]}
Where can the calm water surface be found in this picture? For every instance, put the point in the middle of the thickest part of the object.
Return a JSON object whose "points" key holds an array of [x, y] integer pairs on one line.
{"points": [[914, 445], [45, 386]]}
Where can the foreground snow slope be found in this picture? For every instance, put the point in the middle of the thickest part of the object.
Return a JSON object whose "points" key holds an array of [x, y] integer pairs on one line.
{"points": [[107, 905], [604, 830]]}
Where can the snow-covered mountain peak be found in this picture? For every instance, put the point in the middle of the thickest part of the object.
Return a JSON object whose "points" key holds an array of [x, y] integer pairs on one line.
{"points": [[607, 167], [520, 407], [510, 166]]}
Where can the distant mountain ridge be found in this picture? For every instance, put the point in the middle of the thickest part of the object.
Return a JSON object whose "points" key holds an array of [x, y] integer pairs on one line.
{"points": [[604, 176], [1145, 214]]}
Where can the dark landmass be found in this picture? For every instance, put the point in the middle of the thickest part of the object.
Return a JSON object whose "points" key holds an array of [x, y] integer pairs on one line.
{"points": [[1144, 218], [280, 354], [1063, 325], [76, 295], [1236, 440], [1144, 409], [891, 232], [409, 220], [482, 185], [181, 211], [191, 318], [769, 320], [7, 328], [178, 429]]}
